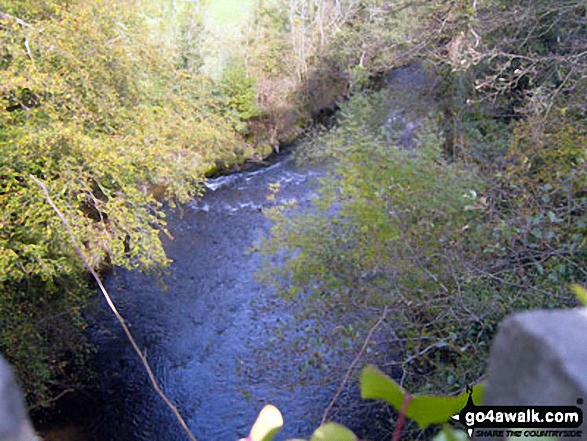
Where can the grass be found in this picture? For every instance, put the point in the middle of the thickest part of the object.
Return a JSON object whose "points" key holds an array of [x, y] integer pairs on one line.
{"points": [[230, 12]]}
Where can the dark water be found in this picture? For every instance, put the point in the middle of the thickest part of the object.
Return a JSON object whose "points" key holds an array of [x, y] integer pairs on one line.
{"points": [[221, 344], [206, 325]]}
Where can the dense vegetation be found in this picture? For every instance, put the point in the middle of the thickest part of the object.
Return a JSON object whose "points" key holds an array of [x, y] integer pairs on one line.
{"points": [[103, 102], [481, 212]]}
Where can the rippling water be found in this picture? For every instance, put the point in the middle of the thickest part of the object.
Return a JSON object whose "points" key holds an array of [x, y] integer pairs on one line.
{"points": [[205, 324]]}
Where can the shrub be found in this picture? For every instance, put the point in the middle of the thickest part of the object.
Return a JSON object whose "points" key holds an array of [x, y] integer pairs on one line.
{"points": [[93, 106]]}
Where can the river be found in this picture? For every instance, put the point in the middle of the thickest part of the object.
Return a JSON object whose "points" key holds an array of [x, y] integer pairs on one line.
{"points": [[206, 326], [221, 344]]}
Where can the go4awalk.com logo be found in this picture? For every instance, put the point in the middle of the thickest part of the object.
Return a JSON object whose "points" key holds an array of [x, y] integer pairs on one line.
{"points": [[529, 421]]}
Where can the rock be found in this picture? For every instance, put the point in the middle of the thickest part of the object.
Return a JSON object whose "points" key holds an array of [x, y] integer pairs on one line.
{"points": [[14, 421], [540, 358]]}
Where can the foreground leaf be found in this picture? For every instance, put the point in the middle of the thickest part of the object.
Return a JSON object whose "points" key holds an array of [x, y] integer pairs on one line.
{"points": [[423, 409], [268, 424], [333, 432]]}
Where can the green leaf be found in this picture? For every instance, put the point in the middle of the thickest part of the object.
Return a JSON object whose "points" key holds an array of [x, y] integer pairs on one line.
{"points": [[268, 424], [333, 432], [553, 218], [423, 409], [581, 293]]}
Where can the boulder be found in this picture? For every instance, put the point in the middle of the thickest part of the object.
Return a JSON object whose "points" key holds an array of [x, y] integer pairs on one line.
{"points": [[540, 358]]}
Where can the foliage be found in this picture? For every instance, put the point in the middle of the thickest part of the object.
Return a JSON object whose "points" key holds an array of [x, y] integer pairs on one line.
{"points": [[395, 227], [306, 55], [520, 71], [49, 357], [450, 242], [424, 410], [581, 293], [271, 422], [483, 213], [96, 105], [241, 93]]}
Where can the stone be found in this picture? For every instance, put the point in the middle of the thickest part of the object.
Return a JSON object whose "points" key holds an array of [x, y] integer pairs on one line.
{"points": [[14, 421], [540, 358]]}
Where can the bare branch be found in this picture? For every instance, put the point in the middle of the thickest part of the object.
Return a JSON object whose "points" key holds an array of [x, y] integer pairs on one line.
{"points": [[52, 400], [352, 366], [6, 16], [115, 311]]}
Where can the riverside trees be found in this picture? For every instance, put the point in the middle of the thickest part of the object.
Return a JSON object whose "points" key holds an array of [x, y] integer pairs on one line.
{"points": [[106, 103], [102, 105], [487, 215]]}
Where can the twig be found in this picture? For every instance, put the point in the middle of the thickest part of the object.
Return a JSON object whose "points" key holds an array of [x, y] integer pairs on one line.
{"points": [[28, 50], [51, 400], [352, 366], [505, 282], [7, 16], [556, 92], [116, 313], [423, 266]]}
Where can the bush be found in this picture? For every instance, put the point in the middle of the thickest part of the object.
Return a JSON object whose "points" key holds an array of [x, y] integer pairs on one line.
{"points": [[394, 227], [449, 247], [95, 108]]}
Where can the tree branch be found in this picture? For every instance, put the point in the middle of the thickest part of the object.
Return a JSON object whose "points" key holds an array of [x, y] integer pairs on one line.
{"points": [[6, 16], [352, 366], [115, 311]]}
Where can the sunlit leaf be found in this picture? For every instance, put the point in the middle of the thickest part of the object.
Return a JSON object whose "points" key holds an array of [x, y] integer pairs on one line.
{"points": [[268, 424], [581, 293], [423, 409], [333, 432]]}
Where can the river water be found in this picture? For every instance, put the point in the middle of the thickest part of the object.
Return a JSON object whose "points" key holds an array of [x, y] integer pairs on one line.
{"points": [[207, 325], [221, 344]]}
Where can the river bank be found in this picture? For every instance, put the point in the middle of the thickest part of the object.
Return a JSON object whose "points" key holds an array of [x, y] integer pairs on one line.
{"points": [[221, 343]]}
